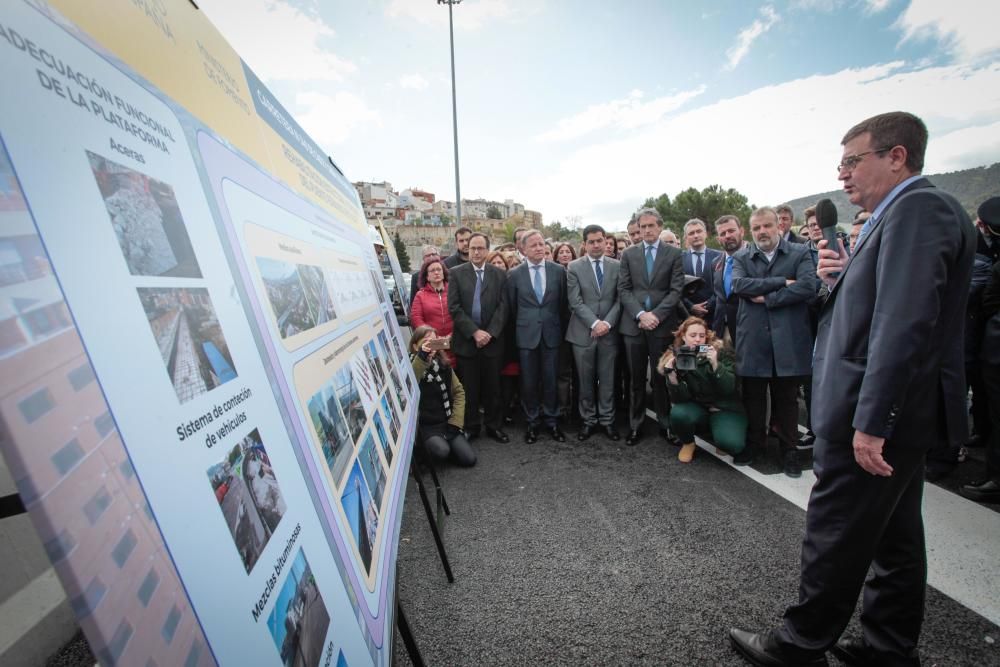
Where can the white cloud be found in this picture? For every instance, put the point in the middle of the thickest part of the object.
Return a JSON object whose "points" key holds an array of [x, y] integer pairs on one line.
{"points": [[628, 113], [770, 145], [963, 26], [278, 41], [749, 35], [876, 6], [332, 119], [468, 15], [413, 82]]}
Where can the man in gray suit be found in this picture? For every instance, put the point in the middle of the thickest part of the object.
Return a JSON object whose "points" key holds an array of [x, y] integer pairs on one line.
{"points": [[651, 277], [592, 289], [888, 382]]}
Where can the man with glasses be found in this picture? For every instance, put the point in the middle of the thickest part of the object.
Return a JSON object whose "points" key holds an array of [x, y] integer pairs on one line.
{"points": [[888, 382]]}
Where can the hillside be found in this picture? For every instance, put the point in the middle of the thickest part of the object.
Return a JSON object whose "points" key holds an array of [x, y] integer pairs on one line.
{"points": [[969, 186]]}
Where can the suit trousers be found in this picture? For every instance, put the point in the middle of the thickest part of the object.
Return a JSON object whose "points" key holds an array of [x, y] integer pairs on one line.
{"points": [[643, 353], [595, 364], [855, 520], [480, 375], [991, 385], [784, 410], [539, 392]]}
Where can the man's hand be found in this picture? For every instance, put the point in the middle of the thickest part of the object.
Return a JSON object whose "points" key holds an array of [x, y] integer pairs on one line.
{"points": [[600, 329], [648, 321], [868, 453], [482, 338], [700, 309], [830, 261], [757, 299], [789, 282]]}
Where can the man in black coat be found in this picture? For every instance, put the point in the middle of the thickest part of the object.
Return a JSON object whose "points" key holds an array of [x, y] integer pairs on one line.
{"points": [[461, 254], [730, 233], [888, 381], [698, 261], [786, 223], [477, 338], [536, 298]]}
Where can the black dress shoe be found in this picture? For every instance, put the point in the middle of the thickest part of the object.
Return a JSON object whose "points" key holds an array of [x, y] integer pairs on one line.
{"points": [[807, 440], [556, 434], [612, 433], [854, 652], [669, 436], [508, 420], [791, 466], [585, 432], [497, 434], [986, 491], [762, 650], [633, 438], [530, 436], [743, 458]]}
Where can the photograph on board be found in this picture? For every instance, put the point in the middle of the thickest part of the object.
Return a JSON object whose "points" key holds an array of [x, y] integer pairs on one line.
{"points": [[378, 285], [146, 220], [397, 387], [187, 331], [350, 400], [248, 495], [375, 364], [336, 444], [299, 620], [383, 344], [391, 417], [383, 437], [298, 293], [317, 293], [373, 468], [361, 513]]}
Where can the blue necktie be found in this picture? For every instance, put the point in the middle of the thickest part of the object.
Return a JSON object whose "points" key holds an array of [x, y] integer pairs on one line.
{"points": [[649, 272], [727, 276], [864, 230], [600, 274], [477, 306], [537, 283]]}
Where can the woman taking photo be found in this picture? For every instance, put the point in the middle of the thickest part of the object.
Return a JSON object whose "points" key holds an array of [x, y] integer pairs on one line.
{"points": [[702, 386], [430, 303], [442, 401]]}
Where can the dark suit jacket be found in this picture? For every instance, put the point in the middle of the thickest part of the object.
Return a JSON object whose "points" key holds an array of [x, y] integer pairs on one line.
{"points": [[889, 348], [706, 292], [454, 260], [663, 287], [461, 289], [537, 323], [726, 309]]}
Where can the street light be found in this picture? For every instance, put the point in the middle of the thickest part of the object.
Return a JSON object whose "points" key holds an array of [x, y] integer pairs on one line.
{"points": [[454, 108]]}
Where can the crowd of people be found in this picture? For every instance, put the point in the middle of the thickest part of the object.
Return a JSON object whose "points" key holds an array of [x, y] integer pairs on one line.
{"points": [[576, 333]]}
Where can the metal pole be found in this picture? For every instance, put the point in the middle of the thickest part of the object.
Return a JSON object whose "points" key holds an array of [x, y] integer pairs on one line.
{"points": [[454, 114]]}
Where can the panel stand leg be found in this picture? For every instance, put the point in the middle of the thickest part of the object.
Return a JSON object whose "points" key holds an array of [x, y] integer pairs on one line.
{"points": [[430, 518]]}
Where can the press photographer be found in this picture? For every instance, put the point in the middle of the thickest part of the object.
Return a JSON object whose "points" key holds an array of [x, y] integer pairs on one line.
{"points": [[702, 386]]}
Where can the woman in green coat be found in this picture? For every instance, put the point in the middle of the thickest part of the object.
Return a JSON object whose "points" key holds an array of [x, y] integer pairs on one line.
{"points": [[702, 386]]}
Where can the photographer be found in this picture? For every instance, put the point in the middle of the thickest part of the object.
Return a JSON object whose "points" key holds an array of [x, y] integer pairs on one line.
{"points": [[442, 400], [702, 387]]}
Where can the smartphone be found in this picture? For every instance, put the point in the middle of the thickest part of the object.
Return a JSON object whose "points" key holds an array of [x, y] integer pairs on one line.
{"points": [[440, 344]]}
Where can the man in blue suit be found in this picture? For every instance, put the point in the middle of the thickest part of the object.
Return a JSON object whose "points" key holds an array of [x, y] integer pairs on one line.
{"points": [[888, 382], [536, 299], [699, 261]]}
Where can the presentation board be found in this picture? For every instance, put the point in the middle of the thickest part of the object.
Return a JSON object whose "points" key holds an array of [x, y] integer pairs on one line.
{"points": [[208, 404]]}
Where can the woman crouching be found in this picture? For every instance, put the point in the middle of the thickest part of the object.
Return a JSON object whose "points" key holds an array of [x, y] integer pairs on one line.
{"points": [[442, 401], [702, 386]]}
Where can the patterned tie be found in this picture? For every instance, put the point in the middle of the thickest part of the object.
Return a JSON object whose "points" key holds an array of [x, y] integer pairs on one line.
{"points": [[727, 276], [477, 306], [649, 273], [600, 274], [537, 283], [699, 267]]}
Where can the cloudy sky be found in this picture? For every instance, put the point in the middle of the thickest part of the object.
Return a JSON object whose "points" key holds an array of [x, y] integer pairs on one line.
{"points": [[582, 109]]}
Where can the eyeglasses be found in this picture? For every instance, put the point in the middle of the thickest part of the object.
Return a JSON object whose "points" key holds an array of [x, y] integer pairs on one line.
{"points": [[852, 161]]}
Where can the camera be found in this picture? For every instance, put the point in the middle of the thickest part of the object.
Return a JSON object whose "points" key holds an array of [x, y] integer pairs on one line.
{"points": [[440, 344], [686, 356]]}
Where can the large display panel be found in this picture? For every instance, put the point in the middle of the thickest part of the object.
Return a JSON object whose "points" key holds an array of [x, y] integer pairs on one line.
{"points": [[206, 402]]}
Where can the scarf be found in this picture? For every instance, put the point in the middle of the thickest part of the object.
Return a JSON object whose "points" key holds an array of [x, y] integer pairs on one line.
{"points": [[432, 376]]}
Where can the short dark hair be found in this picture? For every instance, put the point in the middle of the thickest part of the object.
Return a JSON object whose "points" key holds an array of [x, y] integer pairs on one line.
{"points": [[896, 128], [650, 212], [593, 229], [519, 230], [462, 230], [422, 280], [485, 237], [723, 219], [782, 208], [634, 220]]}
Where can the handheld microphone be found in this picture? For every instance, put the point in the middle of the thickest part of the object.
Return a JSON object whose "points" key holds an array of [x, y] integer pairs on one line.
{"points": [[826, 218]]}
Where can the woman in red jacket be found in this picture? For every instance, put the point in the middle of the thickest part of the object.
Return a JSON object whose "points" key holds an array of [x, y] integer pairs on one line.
{"points": [[430, 304]]}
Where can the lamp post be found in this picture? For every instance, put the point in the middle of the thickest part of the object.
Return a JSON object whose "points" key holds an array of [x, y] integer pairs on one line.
{"points": [[454, 108]]}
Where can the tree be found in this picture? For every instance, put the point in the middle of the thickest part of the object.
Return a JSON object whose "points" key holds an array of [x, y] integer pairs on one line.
{"points": [[661, 204], [401, 254], [493, 213], [708, 205], [557, 232]]}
